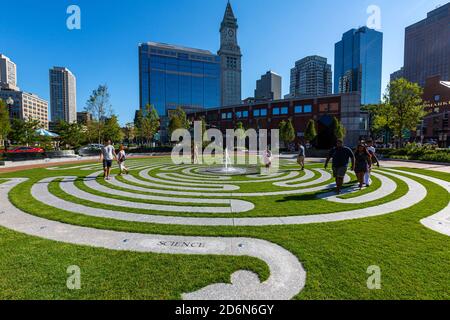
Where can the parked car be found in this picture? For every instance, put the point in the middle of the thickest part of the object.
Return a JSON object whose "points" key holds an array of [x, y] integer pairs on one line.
{"points": [[90, 150], [19, 150]]}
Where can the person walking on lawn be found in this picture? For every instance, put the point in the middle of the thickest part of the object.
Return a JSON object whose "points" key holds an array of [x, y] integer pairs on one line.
{"points": [[301, 156], [362, 163], [341, 156], [121, 157], [107, 156], [374, 159]]}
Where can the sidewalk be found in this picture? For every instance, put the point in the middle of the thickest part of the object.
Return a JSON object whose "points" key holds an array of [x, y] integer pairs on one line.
{"points": [[417, 165], [438, 167]]}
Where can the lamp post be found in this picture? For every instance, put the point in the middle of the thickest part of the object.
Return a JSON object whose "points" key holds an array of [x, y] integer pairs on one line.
{"points": [[10, 104]]}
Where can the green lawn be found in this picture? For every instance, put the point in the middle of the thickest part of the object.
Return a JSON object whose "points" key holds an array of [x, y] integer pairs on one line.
{"points": [[413, 259]]}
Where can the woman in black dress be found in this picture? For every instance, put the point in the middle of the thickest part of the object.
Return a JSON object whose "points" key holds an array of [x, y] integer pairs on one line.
{"points": [[362, 163]]}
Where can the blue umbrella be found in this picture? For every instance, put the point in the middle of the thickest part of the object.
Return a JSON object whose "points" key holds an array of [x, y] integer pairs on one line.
{"points": [[46, 133]]}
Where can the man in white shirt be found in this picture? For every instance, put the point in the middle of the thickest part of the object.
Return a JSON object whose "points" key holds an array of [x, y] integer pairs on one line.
{"points": [[107, 155]]}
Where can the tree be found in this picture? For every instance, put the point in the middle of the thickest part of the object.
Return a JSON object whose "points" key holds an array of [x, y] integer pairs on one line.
{"points": [[150, 123], [287, 132], [5, 126], [129, 132], [403, 108], [24, 132], [112, 130], [204, 129], [178, 120], [71, 135], [138, 119], [99, 106], [175, 123], [310, 132], [382, 117], [339, 130], [91, 131], [240, 130], [239, 126]]}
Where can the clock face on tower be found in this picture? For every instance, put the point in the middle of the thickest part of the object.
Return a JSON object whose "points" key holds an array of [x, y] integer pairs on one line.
{"points": [[230, 33]]}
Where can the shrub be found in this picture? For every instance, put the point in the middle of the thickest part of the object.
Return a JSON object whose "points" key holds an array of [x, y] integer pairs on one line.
{"points": [[436, 157], [415, 152]]}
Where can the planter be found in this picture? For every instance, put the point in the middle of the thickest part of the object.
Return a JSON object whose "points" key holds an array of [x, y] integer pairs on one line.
{"points": [[61, 154], [24, 156]]}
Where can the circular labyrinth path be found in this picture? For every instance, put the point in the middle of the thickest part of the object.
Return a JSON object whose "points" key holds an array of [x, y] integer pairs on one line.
{"points": [[163, 193]]}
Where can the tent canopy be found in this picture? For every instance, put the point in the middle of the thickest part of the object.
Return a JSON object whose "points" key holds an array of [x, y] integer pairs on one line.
{"points": [[46, 133]]}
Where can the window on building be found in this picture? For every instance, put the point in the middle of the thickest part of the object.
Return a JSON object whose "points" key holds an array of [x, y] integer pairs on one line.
{"points": [[284, 110], [437, 98], [298, 109], [230, 115], [334, 107], [307, 108], [276, 111], [323, 107], [224, 115], [263, 112], [239, 114], [256, 113], [245, 114]]}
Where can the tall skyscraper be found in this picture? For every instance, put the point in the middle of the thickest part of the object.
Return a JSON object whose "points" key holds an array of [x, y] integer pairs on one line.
{"points": [[397, 74], [8, 73], [173, 76], [358, 64], [230, 55], [427, 47], [63, 95], [311, 76], [268, 87]]}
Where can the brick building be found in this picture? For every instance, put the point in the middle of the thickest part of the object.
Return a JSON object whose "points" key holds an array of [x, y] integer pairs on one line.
{"points": [[268, 115], [437, 101]]}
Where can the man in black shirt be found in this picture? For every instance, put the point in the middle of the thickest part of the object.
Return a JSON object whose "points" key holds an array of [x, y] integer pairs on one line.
{"points": [[341, 156]]}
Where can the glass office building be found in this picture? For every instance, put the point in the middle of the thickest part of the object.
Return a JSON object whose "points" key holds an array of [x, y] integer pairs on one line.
{"points": [[358, 64], [173, 76]]}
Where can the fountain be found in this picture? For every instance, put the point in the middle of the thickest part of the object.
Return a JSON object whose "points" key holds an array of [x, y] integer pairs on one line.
{"points": [[227, 168]]}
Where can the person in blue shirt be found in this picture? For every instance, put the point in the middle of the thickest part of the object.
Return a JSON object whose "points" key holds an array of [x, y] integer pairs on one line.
{"points": [[341, 156]]}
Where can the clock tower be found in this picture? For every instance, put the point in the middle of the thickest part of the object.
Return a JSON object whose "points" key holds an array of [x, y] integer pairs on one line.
{"points": [[230, 56]]}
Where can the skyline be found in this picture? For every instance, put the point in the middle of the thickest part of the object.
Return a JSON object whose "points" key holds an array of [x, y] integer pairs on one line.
{"points": [[114, 59]]}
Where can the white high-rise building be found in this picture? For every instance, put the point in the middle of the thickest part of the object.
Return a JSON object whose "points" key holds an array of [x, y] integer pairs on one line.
{"points": [[63, 95], [8, 73], [26, 106], [230, 55]]}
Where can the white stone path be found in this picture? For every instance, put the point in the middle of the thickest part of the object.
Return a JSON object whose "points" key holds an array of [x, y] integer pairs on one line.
{"points": [[415, 194], [440, 222]]}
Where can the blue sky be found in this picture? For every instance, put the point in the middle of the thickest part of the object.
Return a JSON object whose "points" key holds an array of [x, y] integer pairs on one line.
{"points": [[273, 34]]}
